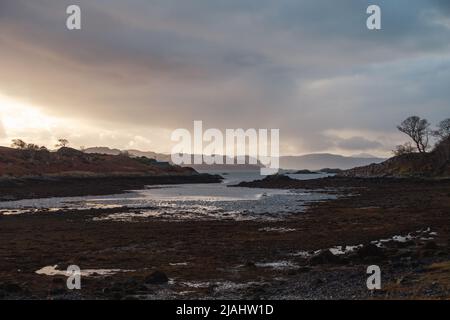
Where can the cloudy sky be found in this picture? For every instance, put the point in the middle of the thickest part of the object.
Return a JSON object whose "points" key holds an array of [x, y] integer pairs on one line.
{"points": [[139, 69]]}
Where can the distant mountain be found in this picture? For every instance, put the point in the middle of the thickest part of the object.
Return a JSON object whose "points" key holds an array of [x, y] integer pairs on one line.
{"points": [[319, 161], [133, 152], [229, 167], [310, 161], [362, 155], [151, 155], [167, 158], [103, 150]]}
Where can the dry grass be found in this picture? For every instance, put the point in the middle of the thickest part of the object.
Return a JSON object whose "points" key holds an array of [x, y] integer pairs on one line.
{"points": [[435, 277]]}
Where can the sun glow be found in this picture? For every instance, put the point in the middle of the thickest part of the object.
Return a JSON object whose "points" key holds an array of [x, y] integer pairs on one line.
{"points": [[20, 119], [19, 116]]}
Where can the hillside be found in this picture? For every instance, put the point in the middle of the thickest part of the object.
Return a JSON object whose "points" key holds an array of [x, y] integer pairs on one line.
{"points": [[71, 162], [309, 161], [433, 164]]}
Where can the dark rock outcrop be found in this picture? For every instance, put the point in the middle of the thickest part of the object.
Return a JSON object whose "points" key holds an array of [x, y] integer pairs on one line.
{"points": [[324, 257], [156, 277], [370, 251]]}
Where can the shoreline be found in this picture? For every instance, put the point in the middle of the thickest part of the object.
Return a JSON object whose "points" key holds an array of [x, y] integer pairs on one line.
{"points": [[241, 259], [48, 187], [285, 182]]}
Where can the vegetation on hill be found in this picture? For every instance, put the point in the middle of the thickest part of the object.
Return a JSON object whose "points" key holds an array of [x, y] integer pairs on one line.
{"points": [[414, 160], [30, 160]]}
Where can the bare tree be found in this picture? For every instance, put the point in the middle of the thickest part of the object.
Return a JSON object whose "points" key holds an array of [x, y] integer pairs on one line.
{"points": [[443, 131], [62, 143], [19, 144], [418, 130]]}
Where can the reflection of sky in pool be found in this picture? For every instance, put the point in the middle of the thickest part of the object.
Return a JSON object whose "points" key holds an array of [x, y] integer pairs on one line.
{"points": [[191, 201]]}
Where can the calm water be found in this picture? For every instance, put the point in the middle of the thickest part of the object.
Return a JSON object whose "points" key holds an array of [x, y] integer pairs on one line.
{"points": [[190, 201]]}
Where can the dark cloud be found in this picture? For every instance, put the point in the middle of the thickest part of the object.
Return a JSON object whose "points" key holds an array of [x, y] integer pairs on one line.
{"points": [[305, 67]]}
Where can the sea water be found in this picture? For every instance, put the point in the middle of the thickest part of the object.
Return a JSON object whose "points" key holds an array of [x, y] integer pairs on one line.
{"points": [[186, 201]]}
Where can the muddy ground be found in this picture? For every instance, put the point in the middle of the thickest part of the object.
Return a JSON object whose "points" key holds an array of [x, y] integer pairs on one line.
{"points": [[243, 259]]}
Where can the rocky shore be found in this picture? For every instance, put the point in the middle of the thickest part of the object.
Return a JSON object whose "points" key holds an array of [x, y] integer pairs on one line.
{"points": [[403, 226], [45, 187], [38, 173]]}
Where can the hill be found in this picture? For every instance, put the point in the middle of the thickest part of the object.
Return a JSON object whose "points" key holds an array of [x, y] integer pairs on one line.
{"points": [[310, 161], [434, 164], [74, 163]]}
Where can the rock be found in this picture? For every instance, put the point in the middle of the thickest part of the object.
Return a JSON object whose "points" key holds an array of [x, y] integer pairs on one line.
{"points": [[430, 245], [58, 281], [57, 292], [157, 277], [426, 253], [324, 257], [278, 178], [369, 251], [143, 288], [404, 244], [116, 287], [117, 296], [318, 282], [131, 283], [11, 288], [404, 280], [398, 265]]}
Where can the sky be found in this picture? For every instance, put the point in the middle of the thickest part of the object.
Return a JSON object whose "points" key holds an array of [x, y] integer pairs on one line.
{"points": [[139, 69]]}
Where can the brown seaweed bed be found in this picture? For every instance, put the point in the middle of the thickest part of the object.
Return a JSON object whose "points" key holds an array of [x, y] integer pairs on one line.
{"points": [[400, 225]]}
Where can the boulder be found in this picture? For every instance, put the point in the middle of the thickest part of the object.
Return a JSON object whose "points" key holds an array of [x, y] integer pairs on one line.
{"points": [[370, 251], [11, 288], [430, 245], [324, 257], [156, 277]]}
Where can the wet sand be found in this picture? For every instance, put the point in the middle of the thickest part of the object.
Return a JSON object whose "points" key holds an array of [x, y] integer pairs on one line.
{"points": [[242, 259]]}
